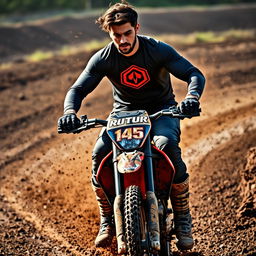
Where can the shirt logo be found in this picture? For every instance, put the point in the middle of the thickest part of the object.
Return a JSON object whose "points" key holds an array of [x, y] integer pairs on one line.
{"points": [[135, 77]]}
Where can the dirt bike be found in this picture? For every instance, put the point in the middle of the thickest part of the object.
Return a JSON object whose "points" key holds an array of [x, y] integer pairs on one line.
{"points": [[136, 177]]}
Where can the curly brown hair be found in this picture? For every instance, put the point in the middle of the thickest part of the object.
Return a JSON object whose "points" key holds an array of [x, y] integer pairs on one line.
{"points": [[118, 14]]}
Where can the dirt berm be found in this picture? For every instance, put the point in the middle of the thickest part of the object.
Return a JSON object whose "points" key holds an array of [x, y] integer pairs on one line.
{"points": [[19, 39]]}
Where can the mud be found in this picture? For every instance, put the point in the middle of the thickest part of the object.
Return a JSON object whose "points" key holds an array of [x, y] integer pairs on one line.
{"points": [[47, 206], [247, 185]]}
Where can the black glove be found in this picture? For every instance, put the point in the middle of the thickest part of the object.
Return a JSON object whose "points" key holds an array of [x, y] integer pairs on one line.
{"points": [[68, 122], [189, 106]]}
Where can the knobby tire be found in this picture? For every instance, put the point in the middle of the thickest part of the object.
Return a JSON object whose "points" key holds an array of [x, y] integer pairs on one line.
{"points": [[132, 219]]}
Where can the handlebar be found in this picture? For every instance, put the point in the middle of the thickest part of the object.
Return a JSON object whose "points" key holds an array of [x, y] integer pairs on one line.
{"points": [[87, 124], [172, 112]]}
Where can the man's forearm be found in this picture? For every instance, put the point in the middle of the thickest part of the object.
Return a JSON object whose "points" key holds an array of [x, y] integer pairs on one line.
{"points": [[196, 85], [69, 111], [72, 101]]}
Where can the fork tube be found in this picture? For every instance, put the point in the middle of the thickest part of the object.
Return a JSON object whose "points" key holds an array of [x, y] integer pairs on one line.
{"points": [[152, 205], [149, 166], [116, 173], [118, 203]]}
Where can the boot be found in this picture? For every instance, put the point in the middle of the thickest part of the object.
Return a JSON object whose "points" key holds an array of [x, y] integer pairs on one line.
{"points": [[106, 232], [182, 217]]}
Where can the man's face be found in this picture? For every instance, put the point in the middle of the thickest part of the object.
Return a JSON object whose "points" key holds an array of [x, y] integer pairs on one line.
{"points": [[124, 37]]}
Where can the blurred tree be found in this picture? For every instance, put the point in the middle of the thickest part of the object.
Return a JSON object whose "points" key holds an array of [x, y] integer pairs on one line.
{"points": [[88, 4], [102, 3], [26, 6]]}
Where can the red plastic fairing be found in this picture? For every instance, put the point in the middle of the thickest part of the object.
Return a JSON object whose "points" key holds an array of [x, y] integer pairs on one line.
{"points": [[136, 178], [105, 176], [164, 172]]}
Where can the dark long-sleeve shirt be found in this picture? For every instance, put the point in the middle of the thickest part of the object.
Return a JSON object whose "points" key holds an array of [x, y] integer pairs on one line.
{"points": [[140, 81]]}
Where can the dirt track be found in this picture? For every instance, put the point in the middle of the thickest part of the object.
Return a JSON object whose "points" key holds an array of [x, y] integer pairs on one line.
{"points": [[47, 206], [53, 34]]}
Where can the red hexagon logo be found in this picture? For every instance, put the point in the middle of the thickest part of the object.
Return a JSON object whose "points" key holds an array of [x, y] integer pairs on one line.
{"points": [[135, 77]]}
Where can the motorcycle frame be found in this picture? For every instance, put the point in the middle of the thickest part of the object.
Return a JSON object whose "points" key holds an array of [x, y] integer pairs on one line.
{"points": [[146, 180], [151, 199]]}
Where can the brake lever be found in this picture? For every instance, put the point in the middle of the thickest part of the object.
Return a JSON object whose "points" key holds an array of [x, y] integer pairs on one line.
{"points": [[85, 124], [181, 116], [177, 113], [60, 131], [82, 127], [69, 131]]}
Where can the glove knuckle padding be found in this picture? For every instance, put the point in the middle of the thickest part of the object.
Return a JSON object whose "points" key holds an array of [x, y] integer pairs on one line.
{"points": [[72, 119], [69, 120], [60, 122], [189, 106]]}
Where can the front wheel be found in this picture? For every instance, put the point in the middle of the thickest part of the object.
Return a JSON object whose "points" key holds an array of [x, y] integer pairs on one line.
{"points": [[133, 219]]}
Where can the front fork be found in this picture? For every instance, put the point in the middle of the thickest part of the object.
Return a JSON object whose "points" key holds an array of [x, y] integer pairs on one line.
{"points": [[151, 202], [118, 212]]}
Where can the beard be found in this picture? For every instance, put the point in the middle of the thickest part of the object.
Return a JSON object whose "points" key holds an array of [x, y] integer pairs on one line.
{"points": [[127, 44]]}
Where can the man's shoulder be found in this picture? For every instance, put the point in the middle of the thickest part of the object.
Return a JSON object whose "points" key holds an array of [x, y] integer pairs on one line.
{"points": [[154, 43], [100, 59], [150, 41], [157, 47], [104, 53]]}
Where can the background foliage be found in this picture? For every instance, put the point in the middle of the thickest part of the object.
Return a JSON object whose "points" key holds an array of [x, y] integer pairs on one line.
{"points": [[28, 6]]}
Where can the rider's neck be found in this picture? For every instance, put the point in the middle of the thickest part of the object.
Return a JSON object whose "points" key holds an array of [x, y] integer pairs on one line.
{"points": [[135, 49]]}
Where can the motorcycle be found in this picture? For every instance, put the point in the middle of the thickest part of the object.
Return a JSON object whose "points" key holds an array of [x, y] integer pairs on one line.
{"points": [[136, 177]]}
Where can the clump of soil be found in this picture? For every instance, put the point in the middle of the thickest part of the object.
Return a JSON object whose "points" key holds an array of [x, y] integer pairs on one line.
{"points": [[248, 186]]}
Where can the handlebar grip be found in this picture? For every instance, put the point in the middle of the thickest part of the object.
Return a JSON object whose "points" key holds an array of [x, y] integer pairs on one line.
{"points": [[61, 131]]}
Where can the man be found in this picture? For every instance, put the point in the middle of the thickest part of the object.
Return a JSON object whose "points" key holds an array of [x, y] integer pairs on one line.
{"points": [[138, 68]]}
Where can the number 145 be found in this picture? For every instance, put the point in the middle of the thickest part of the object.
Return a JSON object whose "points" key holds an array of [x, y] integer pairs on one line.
{"points": [[130, 133]]}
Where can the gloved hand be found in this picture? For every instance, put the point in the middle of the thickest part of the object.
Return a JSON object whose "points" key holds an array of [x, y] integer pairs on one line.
{"points": [[189, 106], [68, 122]]}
